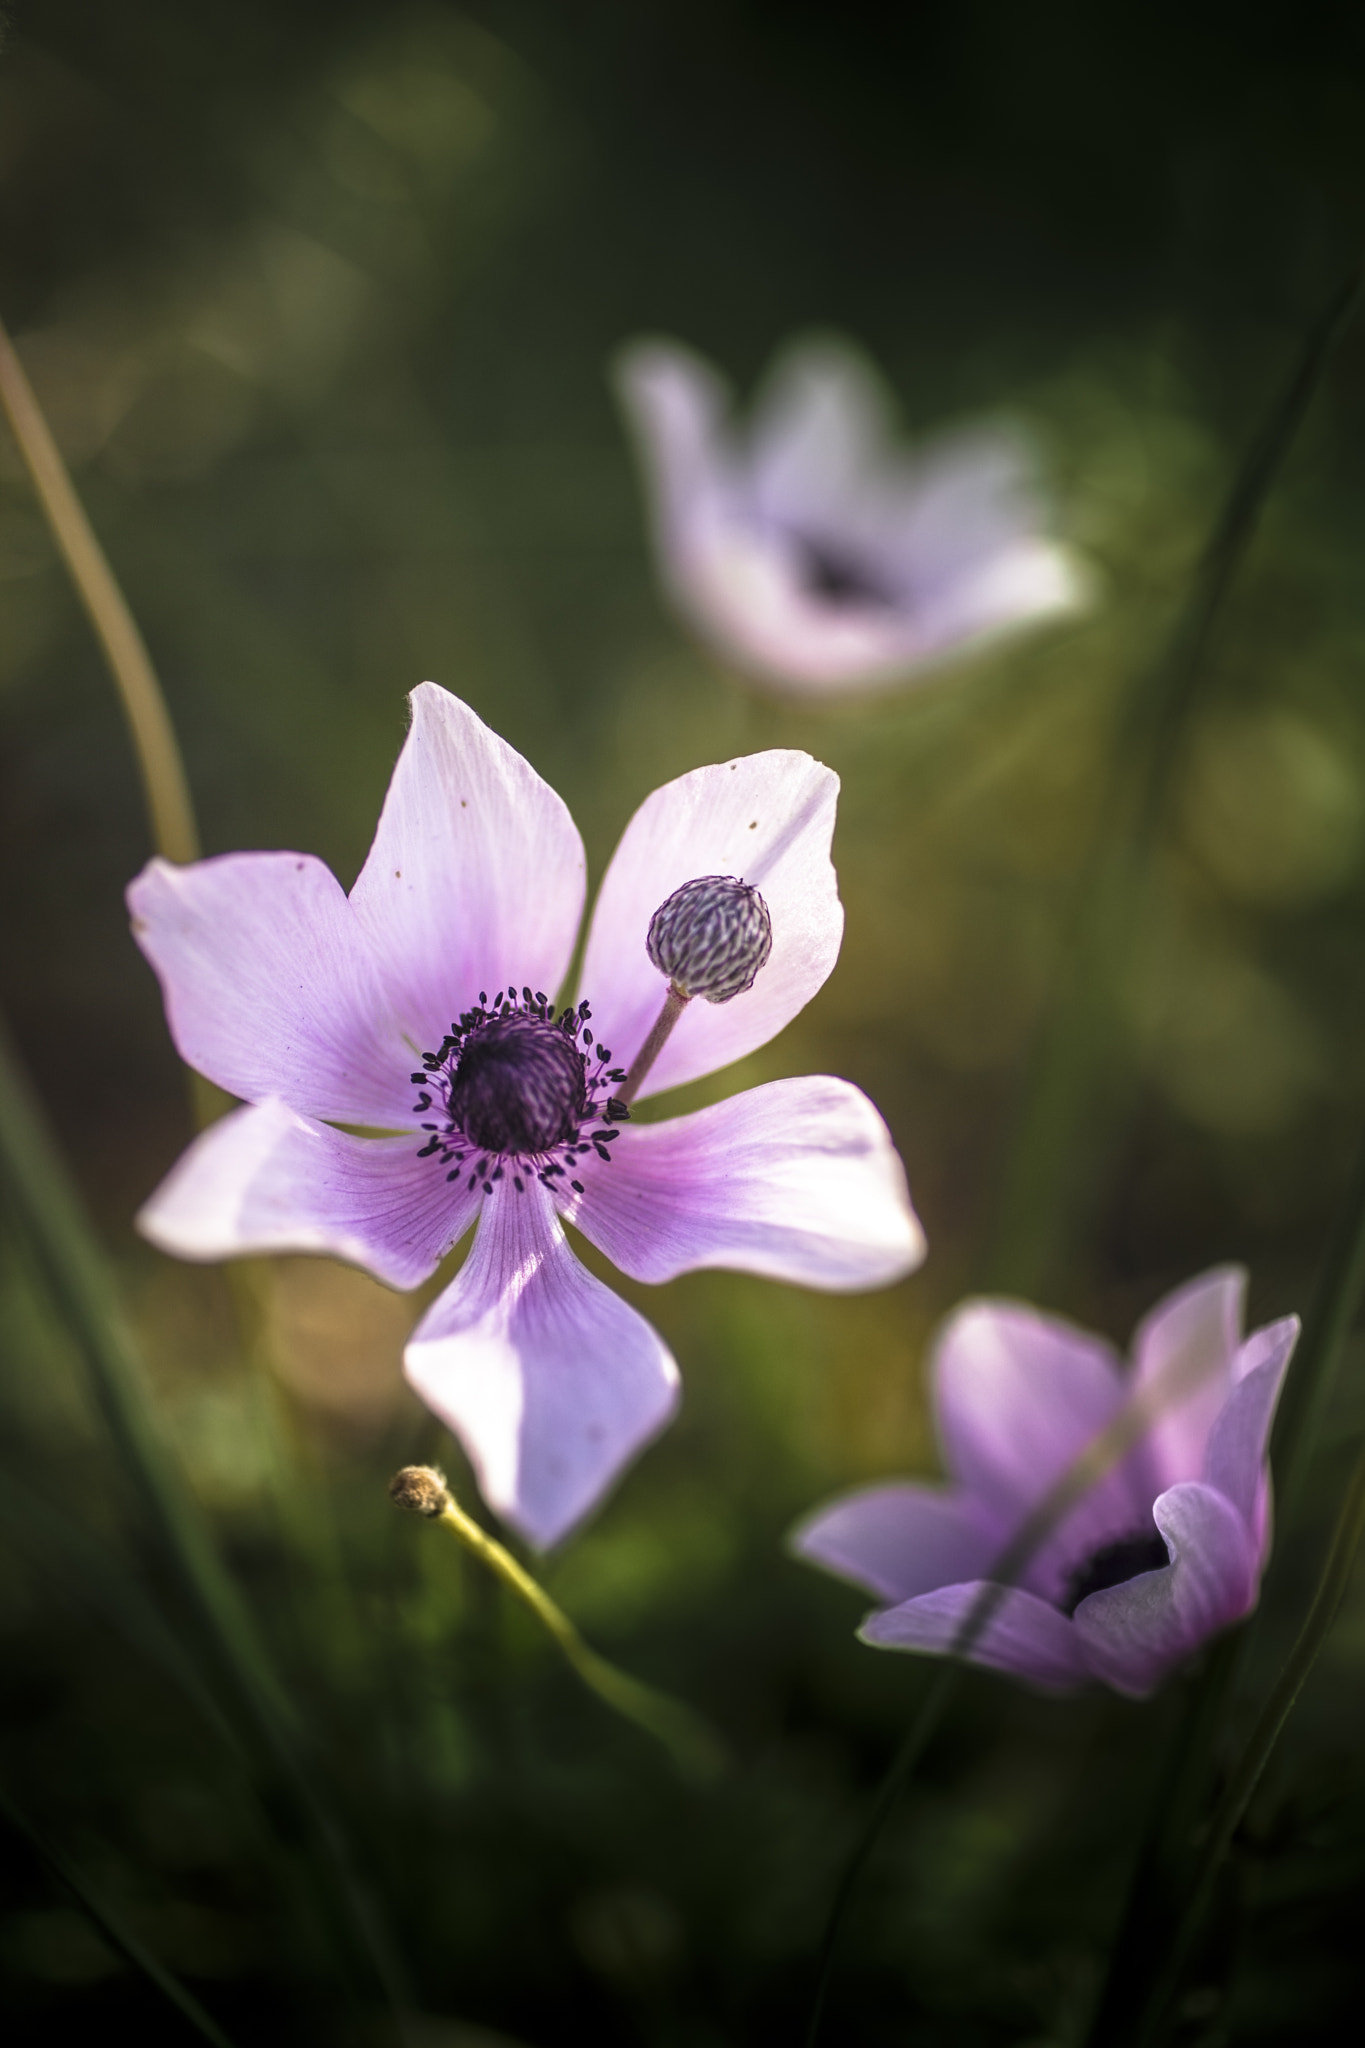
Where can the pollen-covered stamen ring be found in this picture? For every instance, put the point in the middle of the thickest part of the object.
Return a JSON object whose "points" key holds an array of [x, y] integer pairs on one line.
{"points": [[711, 937], [513, 1084], [519, 1087]]}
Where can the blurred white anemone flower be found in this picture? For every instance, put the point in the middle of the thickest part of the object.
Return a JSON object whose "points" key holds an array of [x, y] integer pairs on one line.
{"points": [[815, 553]]}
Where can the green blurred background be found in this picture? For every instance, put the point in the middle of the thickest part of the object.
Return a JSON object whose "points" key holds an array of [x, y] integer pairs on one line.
{"points": [[319, 300]]}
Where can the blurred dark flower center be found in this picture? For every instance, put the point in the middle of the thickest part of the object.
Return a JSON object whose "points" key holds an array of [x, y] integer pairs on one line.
{"points": [[1113, 1564], [837, 578]]}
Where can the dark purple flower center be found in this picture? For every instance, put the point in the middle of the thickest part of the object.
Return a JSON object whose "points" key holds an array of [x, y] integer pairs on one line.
{"points": [[519, 1086], [834, 575], [1113, 1564], [515, 1084]]}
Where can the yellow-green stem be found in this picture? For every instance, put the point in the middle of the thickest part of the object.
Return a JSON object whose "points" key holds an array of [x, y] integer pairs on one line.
{"points": [[695, 1748], [164, 786]]}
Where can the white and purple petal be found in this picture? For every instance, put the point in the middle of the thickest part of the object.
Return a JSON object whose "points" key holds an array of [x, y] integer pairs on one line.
{"points": [[265, 1179], [1019, 1396], [271, 987], [766, 819], [1024, 1635], [1187, 1347], [797, 1180], [550, 1381], [900, 1540], [477, 874], [1235, 1458], [1135, 1634]]}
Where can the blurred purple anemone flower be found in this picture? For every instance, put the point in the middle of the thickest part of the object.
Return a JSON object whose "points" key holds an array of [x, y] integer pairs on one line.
{"points": [[1165, 1549], [406, 1076], [813, 553]]}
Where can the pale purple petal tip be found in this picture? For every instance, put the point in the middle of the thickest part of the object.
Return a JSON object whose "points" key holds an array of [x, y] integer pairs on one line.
{"points": [[767, 819], [797, 1180], [477, 874], [268, 1180], [270, 984], [551, 1382], [897, 1541], [1024, 1635], [1135, 1634]]}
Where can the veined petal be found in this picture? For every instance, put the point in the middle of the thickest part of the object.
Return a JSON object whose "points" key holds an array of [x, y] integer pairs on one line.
{"points": [[1018, 1396], [1024, 1636], [898, 1541], [1235, 1460], [270, 986], [767, 819], [268, 1180], [1134, 1634], [798, 1180], [550, 1381], [1189, 1341], [476, 877]]}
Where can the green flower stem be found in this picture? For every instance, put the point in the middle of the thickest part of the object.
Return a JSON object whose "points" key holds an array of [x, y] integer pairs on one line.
{"points": [[1153, 1915], [1335, 1306], [107, 1922], [1052, 1154], [263, 1719], [1181, 1377], [1246, 1772], [695, 1748], [164, 786]]}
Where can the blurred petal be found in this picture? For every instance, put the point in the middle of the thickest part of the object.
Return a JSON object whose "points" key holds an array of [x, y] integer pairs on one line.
{"points": [[766, 818], [897, 1541], [676, 407], [1189, 1340], [812, 551], [821, 430], [270, 985], [798, 1180], [1235, 1461], [476, 876], [1018, 1396], [550, 1381], [267, 1180], [1133, 1635], [1024, 1636]]}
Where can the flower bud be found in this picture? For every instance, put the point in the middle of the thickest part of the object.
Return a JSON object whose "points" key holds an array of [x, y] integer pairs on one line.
{"points": [[420, 1488], [711, 937]]}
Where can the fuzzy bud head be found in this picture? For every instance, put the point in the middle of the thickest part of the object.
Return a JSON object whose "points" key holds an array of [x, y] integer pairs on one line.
{"points": [[419, 1488], [711, 937]]}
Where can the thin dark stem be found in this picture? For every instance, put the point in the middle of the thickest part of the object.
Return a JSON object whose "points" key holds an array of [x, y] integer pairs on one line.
{"points": [[50, 1212], [170, 811], [1175, 1384], [1155, 1910], [1331, 1315], [120, 1938], [1246, 1772], [1050, 1157], [675, 1002]]}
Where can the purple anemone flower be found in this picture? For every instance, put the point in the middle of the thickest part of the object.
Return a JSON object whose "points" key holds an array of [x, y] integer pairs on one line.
{"points": [[1165, 1549], [407, 1076], [814, 553]]}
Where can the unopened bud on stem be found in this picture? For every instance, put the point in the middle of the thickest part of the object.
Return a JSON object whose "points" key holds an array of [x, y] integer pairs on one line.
{"points": [[711, 937], [420, 1488]]}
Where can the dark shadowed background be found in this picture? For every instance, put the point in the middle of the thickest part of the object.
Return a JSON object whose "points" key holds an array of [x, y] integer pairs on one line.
{"points": [[319, 299]]}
